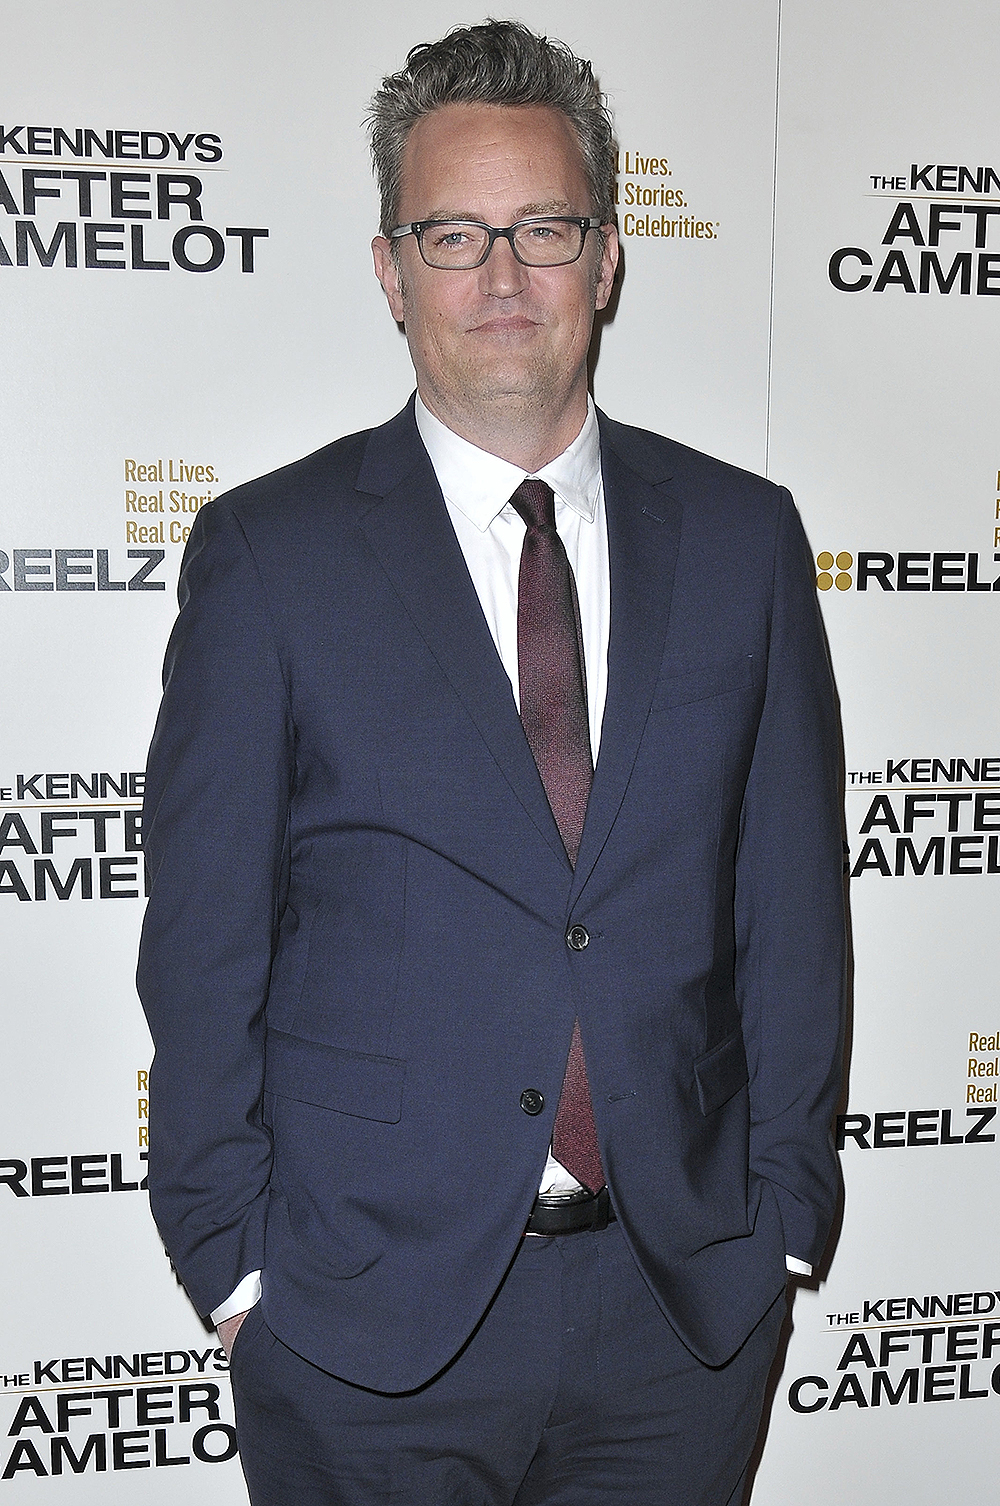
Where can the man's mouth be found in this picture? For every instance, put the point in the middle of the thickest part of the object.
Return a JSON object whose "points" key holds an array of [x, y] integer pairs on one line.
{"points": [[507, 324]]}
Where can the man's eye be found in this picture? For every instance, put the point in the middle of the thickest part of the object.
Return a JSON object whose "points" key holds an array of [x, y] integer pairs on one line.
{"points": [[449, 240]]}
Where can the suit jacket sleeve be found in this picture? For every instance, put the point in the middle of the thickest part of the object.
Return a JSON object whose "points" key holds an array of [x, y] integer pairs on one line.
{"points": [[215, 820], [789, 908]]}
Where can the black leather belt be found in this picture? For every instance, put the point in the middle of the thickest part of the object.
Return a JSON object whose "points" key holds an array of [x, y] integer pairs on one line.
{"points": [[578, 1213]]}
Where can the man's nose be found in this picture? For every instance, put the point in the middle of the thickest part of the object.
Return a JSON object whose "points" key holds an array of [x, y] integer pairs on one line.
{"points": [[502, 275]]}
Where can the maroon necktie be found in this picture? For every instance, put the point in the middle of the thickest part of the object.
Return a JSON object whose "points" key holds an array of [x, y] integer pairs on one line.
{"points": [[553, 700]]}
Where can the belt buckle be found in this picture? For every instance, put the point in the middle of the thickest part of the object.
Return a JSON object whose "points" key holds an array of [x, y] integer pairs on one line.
{"points": [[556, 1216]]}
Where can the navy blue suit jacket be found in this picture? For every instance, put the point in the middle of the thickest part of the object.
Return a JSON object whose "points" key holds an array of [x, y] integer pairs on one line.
{"points": [[354, 955]]}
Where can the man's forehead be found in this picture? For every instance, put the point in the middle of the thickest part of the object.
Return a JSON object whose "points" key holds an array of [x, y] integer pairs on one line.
{"points": [[494, 149]]}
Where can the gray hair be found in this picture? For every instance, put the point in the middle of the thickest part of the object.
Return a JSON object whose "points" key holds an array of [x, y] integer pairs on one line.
{"points": [[496, 63]]}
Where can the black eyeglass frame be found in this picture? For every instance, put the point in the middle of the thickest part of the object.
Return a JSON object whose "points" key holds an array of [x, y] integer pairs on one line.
{"points": [[494, 233]]}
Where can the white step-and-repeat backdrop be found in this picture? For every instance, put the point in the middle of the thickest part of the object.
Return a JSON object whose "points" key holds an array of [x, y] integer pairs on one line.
{"points": [[809, 196]]}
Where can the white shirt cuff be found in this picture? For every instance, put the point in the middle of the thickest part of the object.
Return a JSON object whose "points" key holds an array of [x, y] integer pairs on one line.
{"points": [[795, 1266], [246, 1295]]}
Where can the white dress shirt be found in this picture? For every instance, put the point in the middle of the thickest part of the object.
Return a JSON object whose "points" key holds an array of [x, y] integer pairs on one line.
{"points": [[477, 489]]}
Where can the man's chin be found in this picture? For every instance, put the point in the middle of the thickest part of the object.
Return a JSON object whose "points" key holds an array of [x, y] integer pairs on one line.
{"points": [[502, 393], [504, 386]]}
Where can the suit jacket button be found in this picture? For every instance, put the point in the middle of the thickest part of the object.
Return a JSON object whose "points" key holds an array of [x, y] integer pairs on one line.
{"points": [[532, 1101], [577, 937]]}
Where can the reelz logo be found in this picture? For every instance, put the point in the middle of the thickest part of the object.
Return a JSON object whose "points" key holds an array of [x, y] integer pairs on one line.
{"points": [[78, 570], [883, 1365], [902, 1129], [65, 1176], [98, 216], [61, 1428], [908, 570]]}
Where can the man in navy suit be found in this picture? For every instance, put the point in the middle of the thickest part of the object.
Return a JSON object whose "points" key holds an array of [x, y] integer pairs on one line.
{"points": [[494, 951]]}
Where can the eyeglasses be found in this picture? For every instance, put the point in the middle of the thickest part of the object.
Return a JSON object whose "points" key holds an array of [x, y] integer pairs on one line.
{"points": [[461, 245]]}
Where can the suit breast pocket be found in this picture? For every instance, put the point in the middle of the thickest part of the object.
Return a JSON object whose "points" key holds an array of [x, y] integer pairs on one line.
{"points": [[704, 683]]}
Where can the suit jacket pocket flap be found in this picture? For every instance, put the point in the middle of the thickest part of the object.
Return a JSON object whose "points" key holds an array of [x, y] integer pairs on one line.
{"points": [[701, 684], [370, 1087], [721, 1072]]}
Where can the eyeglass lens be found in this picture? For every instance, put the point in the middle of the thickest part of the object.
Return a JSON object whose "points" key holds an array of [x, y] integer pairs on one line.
{"points": [[539, 243]]}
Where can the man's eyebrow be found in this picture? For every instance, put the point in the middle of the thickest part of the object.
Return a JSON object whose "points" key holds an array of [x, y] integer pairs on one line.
{"points": [[526, 211], [552, 206]]}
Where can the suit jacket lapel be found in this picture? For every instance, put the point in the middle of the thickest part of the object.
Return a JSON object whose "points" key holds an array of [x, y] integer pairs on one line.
{"points": [[644, 523], [411, 534]]}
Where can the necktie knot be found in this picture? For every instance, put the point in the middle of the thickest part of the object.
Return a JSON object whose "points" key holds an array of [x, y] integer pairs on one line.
{"points": [[535, 502]]}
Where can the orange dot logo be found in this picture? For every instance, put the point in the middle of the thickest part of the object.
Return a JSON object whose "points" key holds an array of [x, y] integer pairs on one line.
{"points": [[825, 577]]}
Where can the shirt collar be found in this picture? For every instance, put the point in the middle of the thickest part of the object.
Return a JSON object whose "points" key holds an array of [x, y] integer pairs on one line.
{"points": [[480, 484]]}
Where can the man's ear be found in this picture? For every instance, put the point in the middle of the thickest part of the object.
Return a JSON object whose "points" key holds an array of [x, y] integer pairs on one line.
{"points": [[387, 273], [607, 265]]}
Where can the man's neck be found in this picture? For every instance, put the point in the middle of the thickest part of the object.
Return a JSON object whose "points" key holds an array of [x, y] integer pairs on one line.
{"points": [[526, 434]]}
